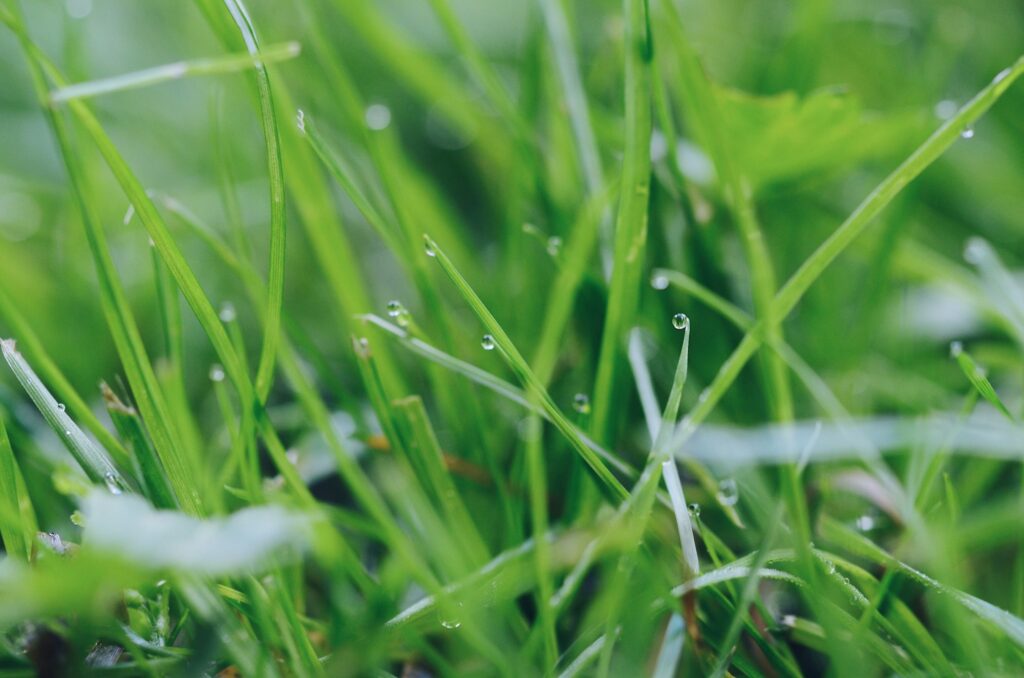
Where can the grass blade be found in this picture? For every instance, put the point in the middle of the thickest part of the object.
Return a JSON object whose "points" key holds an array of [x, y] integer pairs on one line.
{"points": [[518, 364], [228, 63], [95, 461]]}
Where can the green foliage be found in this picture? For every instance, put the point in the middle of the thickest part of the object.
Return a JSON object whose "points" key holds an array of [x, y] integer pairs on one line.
{"points": [[359, 450]]}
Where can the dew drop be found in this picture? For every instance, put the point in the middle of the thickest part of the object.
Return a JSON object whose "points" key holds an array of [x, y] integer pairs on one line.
{"points": [[955, 349], [974, 251], [865, 523], [659, 282], [378, 117], [967, 133], [728, 492], [428, 247], [945, 109], [451, 624], [695, 510], [581, 403], [228, 314], [300, 120], [487, 342], [394, 308], [554, 245], [680, 321], [112, 483], [61, 407], [67, 432], [216, 373]]}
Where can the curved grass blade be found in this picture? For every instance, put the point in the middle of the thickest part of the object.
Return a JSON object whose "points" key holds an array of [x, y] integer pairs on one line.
{"points": [[278, 233]]}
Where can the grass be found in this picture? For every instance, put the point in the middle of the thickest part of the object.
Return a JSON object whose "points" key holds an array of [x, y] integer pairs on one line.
{"points": [[420, 412]]}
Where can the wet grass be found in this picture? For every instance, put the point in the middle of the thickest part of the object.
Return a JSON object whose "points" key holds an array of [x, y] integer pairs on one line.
{"points": [[437, 286]]}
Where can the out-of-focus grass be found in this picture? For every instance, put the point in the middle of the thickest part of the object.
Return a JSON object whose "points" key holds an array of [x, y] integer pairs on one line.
{"points": [[353, 450]]}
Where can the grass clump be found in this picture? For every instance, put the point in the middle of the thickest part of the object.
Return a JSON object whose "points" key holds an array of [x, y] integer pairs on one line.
{"points": [[409, 419]]}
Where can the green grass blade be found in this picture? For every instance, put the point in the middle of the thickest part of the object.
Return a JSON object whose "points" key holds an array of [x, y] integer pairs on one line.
{"points": [[518, 364], [95, 461], [228, 63], [278, 234], [18, 524], [31, 346], [631, 219], [975, 374]]}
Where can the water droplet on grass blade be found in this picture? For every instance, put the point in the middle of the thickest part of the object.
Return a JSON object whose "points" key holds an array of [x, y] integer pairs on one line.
{"points": [[680, 321], [487, 342], [428, 247], [581, 403], [61, 407], [968, 132], [728, 492], [216, 373], [695, 510], [955, 349], [394, 308], [865, 523], [300, 120], [974, 251], [659, 282], [227, 313], [112, 483], [554, 245], [378, 117]]}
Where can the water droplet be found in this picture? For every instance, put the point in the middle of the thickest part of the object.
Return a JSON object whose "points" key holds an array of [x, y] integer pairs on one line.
{"points": [[831, 567], [955, 349], [967, 133], [112, 483], [61, 407], [695, 510], [300, 120], [659, 282], [974, 251], [67, 432], [129, 214], [227, 312], [451, 623], [394, 308], [945, 109], [554, 245], [488, 342], [216, 373], [728, 492], [378, 117], [680, 321], [428, 247], [865, 523], [581, 403]]}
